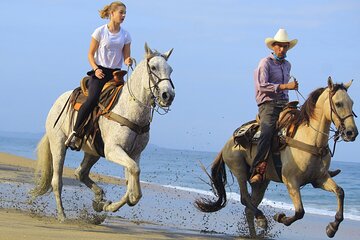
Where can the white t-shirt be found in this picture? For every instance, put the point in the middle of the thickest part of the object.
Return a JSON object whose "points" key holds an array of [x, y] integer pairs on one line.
{"points": [[110, 51]]}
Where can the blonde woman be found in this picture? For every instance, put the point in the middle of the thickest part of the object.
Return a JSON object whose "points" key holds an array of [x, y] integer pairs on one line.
{"points": [[109, 48]]}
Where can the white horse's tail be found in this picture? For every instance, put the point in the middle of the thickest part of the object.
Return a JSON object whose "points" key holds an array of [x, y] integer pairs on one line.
{"points": [[44, 170]]}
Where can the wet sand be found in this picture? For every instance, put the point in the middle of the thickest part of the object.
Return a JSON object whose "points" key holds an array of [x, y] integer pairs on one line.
{"points": [[162, 213], [17, 222]]}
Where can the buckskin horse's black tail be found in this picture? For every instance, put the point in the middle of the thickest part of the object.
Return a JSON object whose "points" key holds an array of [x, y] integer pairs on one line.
{"points": [[218, 182]]}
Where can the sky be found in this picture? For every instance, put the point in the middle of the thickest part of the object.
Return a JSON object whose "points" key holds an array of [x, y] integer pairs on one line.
{"points": [[217, 45]]}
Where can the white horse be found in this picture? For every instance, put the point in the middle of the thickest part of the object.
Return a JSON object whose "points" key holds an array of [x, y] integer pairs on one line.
{"points": [[305, 159], [149, 85]]}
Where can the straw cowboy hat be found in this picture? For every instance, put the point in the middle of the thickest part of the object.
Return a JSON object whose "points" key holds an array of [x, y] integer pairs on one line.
{"points": [[280, 36]]}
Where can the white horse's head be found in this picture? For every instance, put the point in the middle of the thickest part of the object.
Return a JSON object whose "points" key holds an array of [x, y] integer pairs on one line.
{"points": [[159, 72], [340, 110]]}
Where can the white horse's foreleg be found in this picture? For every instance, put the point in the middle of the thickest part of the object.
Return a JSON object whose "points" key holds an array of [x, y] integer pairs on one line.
{"points": [[294, 192], [330, 185], [58, 153], [82, 174], [133, 194], [134, 183]]}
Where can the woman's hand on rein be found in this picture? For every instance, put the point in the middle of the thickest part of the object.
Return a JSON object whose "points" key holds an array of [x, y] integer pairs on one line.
{"points": [[128, 61], [99, 73]]}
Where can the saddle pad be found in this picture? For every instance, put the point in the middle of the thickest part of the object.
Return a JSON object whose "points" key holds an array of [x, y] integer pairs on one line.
{"points": [[244, 135]]}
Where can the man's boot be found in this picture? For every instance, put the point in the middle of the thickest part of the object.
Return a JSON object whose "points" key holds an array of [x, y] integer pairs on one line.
{"points": [[258, 173]]}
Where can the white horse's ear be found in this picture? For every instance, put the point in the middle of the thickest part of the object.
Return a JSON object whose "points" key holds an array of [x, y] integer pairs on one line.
{"points": [[148, 51], [330, 83], [347, 85], [167, 54]]}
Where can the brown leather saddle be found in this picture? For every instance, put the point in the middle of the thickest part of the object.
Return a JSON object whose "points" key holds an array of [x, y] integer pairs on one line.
{"points": [[248, 134], [110, 93]]}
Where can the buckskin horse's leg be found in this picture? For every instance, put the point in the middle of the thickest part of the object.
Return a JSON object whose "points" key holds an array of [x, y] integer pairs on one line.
{"points": [[235, 159], [250, 221], [257, 195], [294, 192], [330, 185], [82, 174]]}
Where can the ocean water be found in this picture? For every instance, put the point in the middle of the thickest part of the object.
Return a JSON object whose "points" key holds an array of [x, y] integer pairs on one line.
{"points": [[181, 169]]}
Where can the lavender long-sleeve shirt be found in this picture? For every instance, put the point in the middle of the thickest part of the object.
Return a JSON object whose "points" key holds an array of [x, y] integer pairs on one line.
{"points": [[268, 76]]}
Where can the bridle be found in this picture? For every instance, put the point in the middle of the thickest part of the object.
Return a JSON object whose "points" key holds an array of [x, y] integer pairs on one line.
{"points": [[341, 128], [154, 104], [155, 97]]}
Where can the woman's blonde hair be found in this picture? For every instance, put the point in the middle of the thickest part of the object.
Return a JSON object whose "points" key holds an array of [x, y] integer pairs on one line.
{"points": [[105, 12]]}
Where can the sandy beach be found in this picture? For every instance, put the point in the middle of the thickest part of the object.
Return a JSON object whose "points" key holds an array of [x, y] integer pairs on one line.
{"points": [[17, 222], [162, 213]]}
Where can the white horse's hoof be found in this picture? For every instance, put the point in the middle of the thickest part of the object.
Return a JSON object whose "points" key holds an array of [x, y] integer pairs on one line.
{"points": [[61, 218], [133, 200], [100, 206], [106, 206]]}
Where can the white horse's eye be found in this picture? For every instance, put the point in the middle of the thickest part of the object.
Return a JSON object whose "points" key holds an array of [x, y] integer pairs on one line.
{"points": [[153, 68]]}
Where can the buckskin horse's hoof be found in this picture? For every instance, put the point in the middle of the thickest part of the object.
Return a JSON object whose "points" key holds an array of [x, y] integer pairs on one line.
{"points": [[261, 222], [279, 217], [330, 231]]}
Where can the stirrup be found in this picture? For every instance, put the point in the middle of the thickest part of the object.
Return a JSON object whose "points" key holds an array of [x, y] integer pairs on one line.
{"points": [[71, 142], [71, 137]]}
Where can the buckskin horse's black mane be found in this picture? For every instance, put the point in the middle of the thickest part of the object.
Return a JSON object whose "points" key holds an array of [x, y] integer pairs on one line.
{"points": [[307, 109]]}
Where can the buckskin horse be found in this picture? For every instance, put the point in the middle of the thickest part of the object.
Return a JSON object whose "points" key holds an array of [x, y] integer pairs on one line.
{"points": [[148, 87], [305, 159]]}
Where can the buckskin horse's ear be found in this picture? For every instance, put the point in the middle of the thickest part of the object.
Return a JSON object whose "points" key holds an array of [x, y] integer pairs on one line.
{"points": [[148, 51], [330, 83], [347, 85], [167, 54]]}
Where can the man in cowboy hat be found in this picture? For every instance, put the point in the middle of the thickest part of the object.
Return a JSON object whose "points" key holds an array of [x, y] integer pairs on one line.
{"points": [[271, 78]]}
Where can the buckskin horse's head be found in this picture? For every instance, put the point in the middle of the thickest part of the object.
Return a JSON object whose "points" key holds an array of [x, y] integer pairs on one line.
{"points": [[341, 110]]}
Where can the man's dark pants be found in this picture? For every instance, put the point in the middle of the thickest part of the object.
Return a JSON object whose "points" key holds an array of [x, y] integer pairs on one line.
{"points": [[269, 114]]}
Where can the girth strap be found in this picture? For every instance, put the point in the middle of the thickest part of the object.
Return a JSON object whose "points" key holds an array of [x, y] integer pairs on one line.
{"points": [[317, 151], [126, 122]]}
